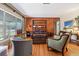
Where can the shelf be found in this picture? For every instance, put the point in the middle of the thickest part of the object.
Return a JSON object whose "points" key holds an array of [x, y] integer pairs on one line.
{"points": [[39, 33]]}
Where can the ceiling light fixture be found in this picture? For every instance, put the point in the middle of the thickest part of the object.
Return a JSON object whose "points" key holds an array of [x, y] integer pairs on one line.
{"points": [[46, 3]]}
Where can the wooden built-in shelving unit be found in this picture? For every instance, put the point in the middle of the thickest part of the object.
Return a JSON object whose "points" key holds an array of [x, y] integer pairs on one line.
{"points": [[39, 33]]}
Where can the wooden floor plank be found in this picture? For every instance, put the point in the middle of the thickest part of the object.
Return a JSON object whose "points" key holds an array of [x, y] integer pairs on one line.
{"points": [[42, 50]]}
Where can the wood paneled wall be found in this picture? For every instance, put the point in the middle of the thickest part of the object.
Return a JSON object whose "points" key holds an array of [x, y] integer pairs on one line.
{"points": [[51, 22]]}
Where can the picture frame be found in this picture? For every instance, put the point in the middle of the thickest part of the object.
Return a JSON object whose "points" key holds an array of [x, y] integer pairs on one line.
{"points": [[68, 23]]}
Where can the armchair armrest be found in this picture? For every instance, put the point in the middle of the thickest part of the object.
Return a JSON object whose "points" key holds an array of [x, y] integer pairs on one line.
{"points": [[56, 37]]}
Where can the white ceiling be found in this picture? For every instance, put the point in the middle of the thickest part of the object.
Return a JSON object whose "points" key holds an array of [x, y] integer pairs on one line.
{"points": [[46, 10]]}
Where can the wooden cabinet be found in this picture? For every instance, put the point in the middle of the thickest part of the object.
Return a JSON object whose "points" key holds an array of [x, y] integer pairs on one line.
{"points": [[39, 32]]}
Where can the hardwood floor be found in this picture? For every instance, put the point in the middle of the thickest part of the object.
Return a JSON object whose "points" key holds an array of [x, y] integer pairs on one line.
{"points": [[42, 50]]}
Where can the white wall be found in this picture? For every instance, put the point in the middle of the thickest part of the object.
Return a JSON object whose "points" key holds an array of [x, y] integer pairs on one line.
{"points": [[10, 11]]}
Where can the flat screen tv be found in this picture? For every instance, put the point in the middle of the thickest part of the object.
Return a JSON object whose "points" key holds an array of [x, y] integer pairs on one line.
{"points": [[68, 23]]}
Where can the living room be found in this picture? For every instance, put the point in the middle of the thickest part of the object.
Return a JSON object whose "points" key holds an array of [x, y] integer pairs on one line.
{"points": [[39, 29]]}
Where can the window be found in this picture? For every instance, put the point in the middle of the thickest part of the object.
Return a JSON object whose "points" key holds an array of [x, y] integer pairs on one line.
{"points": [[8, 25], [1, 25], [19, 24]]}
